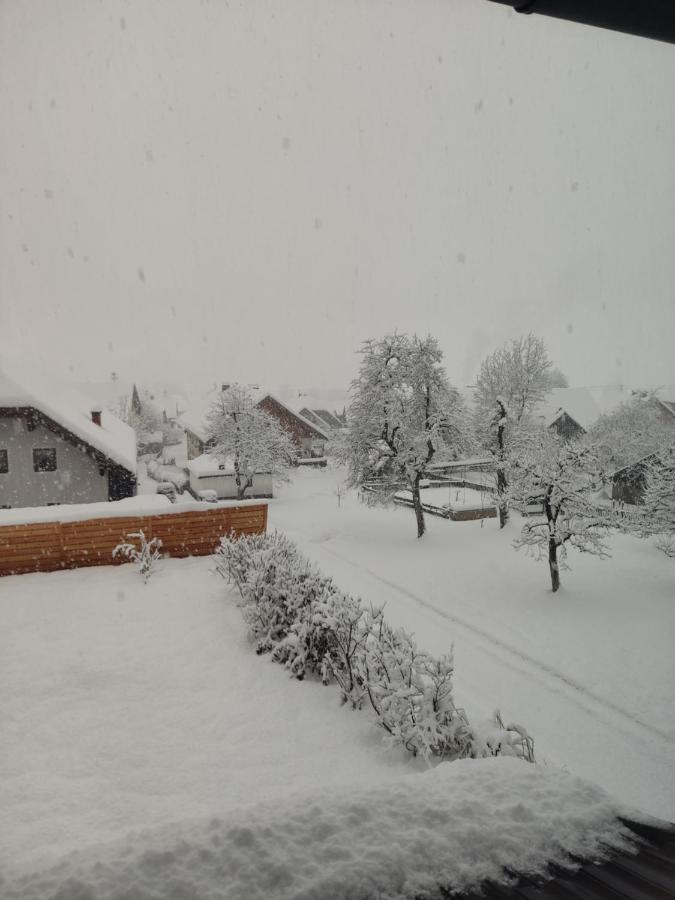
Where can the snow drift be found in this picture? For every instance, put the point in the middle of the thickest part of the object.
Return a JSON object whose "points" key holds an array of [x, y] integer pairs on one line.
{"points": [[456, 826]]}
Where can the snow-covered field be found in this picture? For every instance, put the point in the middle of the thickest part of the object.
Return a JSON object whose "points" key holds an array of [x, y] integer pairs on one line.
{"points": [[141, 731], [590, 671]]}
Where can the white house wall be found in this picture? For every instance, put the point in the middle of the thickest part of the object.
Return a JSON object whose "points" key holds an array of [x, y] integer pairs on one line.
{"points": [[76, 480], [225, 485]]}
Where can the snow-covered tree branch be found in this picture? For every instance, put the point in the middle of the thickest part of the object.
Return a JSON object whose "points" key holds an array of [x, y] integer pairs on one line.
{"points": [[657, 515], [631, 432]]}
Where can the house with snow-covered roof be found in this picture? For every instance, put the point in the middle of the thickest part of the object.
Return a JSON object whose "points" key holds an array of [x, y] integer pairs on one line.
{"points": [[56, 446], [570, 412], [309, 438]]}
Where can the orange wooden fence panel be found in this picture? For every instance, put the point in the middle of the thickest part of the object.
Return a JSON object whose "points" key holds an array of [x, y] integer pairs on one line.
{"points": [[46, 547]]}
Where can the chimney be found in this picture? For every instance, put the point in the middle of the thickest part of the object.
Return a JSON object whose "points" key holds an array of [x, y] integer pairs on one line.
{"points": [[96, 416]]}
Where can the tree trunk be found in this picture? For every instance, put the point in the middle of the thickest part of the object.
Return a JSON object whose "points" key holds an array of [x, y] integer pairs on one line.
{"points": [[417, 506], [242, 488], [553, 564], [501, 494], [501, 474]]}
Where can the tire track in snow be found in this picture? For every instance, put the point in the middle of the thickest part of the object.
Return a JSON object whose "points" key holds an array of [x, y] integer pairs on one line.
{"points": [[522, 662]]}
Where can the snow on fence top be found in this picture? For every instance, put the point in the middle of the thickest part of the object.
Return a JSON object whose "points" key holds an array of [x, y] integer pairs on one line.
{"points": [[142, 505], [21, 387], [473, 463]]}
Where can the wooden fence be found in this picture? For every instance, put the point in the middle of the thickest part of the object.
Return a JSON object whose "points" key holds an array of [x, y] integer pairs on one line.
{"points": [[48, 546]]}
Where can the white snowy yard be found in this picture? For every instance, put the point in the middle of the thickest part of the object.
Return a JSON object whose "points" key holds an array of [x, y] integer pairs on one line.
{"points": [[129, 706], [589, 671]]}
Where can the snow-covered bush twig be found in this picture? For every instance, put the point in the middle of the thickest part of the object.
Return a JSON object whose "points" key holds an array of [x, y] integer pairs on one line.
{"points": [[310, 626], [145, 555]]}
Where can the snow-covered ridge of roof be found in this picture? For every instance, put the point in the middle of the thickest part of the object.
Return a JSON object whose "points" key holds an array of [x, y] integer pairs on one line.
{"points": [[20, 386], [325, 419], [578, 403]]}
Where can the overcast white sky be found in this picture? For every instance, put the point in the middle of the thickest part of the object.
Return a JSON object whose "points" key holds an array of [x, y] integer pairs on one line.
{"points": [[245, 190]]}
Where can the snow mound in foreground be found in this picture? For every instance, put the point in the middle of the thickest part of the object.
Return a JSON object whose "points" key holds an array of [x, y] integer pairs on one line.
{"points": [[455, 825]]}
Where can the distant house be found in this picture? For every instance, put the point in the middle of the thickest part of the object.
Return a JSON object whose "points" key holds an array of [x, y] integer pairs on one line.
{"points": [[570, 412], [666, 409], [308, 437], [58, 447], [629, 482], [310, 440]]}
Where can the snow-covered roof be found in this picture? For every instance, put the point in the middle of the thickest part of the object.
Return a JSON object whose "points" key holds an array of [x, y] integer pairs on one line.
{"points": [[312, 416], [197, 407], [578, 403], [168, 398], [323, 417], [320, 431], [193, 417], [609, 396], [208, 465], [21, 386]]}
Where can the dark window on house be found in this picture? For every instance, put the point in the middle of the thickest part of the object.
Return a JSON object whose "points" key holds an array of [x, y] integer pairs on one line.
{"points": [[4, 462], [44, 460]]}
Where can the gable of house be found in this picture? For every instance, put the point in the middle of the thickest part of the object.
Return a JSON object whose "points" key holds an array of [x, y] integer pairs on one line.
{"points": [[60, 448], [300, 429], [569, 411]]}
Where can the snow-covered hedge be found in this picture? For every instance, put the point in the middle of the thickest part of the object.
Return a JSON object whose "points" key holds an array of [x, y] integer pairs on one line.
{"points": [[309, 625]]}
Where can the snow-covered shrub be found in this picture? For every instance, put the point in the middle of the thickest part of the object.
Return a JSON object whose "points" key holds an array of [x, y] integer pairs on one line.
{"points": [[411, 693], [265, 569], [145, 555], [167, 489], [310, 626], [160, 472]]}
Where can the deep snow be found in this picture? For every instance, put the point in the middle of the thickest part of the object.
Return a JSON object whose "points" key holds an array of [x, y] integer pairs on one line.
{"points": [[129, 706], [590, 671], [458, 825]]}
